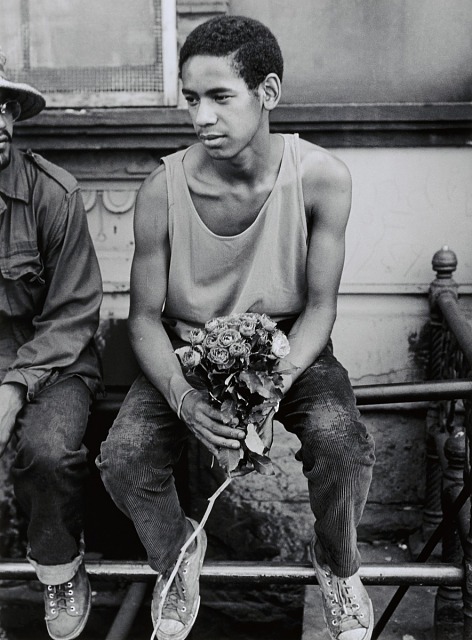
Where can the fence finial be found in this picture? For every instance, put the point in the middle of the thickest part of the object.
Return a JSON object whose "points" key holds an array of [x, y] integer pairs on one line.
{"points": [[444, 263]]}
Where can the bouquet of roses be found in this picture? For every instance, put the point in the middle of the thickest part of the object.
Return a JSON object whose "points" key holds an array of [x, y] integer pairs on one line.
{"points": [[237, 359]]}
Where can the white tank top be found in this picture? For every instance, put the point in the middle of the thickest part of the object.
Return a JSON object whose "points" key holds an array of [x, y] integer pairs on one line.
{"points": [[261, 270]]}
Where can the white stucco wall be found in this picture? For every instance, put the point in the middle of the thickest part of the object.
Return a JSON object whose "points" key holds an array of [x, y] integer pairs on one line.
{"points": [[407, 204]]}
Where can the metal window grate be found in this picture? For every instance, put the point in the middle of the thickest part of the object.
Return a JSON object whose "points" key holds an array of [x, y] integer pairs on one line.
{"points": [[96, 79], [59, 59]]}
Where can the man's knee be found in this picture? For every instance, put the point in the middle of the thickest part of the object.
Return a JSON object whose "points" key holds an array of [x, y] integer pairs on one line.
{"points": [[117, 460], [344, 443], [49, 465], [126, 469]]}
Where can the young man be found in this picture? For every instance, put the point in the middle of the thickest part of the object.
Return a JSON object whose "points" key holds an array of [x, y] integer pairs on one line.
{"points": [[242, 221], [50, 294]]}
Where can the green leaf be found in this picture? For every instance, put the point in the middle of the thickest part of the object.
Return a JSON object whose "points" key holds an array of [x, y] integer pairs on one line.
{"points": [[266, 433], [229, 409], [251, 380], [262, 464], [257, 384], [253, 441], [263, 409], [229, 459], [229, 378]]}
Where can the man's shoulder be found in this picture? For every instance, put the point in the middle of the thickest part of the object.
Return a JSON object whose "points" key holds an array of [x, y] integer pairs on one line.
{"points": [[315, 157], [59, 175], [325, 178], [320, 166], [152, 194], [155, 181]]}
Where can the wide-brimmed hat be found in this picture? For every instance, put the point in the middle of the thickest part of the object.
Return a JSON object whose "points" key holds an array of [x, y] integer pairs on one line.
{"points": [[30, 99]]}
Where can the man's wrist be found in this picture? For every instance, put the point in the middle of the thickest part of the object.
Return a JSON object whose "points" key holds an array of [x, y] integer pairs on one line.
{"points": [[13, 394], [181, 401], [287, 381], [178, 388]]}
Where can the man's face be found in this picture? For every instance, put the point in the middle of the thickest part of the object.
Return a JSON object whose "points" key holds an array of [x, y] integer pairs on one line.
{"points": [[6, 133], [226, 115]]}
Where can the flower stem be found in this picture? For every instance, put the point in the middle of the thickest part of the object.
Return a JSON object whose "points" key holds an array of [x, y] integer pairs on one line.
{"points": [[184, 548]]}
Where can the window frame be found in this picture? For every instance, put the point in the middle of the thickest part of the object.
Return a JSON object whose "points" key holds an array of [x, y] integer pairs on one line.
{"points": [[86, 98]]}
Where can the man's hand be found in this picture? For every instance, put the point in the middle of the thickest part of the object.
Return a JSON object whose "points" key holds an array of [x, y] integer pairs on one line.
{"points": [[206, 423], [12, 400]]}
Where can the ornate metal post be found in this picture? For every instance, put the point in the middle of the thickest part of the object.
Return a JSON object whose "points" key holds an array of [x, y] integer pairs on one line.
{"points": [[448, 606], [441, 490], [444, 264]]}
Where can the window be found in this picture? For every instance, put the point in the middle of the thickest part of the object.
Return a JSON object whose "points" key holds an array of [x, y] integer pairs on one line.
{"points": [[84, 53]]}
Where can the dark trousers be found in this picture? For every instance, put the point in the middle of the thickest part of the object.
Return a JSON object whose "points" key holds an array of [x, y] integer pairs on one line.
{"points": [[49, 471], [337, 453]]}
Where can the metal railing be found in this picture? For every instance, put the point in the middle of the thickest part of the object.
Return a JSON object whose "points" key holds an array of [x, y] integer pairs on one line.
{"points": [[447, 515], [449, 439]]}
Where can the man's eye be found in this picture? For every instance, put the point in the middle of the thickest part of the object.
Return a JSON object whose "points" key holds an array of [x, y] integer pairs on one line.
{"points": [[191, 100], [222, 98]]}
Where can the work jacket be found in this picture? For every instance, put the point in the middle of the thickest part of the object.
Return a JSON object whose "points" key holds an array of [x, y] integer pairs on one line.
{"points": [[50, 283]]}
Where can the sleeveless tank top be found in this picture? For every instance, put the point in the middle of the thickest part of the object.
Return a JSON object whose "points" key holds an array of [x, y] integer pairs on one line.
{"points": [[261, 270]]}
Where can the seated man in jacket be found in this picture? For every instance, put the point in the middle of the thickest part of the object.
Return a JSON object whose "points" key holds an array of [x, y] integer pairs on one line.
{"points": [[50, 294]]}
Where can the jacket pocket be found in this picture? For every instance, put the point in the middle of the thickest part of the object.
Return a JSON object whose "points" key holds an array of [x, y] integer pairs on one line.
{"points": [[22, 273]]}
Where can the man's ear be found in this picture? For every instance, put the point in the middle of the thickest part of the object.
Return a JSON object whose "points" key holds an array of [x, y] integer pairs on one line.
{"points": [[270, 91]]}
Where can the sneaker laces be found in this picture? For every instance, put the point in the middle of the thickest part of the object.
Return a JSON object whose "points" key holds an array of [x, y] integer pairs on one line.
{"points": [[183, 557], [175, 602], [344, 608], [61, 597]]}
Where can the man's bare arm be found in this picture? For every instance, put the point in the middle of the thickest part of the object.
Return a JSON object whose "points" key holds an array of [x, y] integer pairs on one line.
{"points": [[12, 400], [150, 342], [327, 193]]}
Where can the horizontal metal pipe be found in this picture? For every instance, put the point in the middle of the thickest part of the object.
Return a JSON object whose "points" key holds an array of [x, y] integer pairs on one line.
{"points": [[260, 572], [456, 322], [413, 391], [365, 394]]}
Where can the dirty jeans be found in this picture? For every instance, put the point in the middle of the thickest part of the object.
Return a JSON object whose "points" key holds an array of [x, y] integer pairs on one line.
{"points": [[337, 453], [49, 471]]}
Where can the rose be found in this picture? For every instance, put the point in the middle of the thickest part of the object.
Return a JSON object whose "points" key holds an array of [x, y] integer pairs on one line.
{"points": [[211, 340], [212, 325], [248, 328], [197, 336], [232, 321], [220, 356], [267, 323], [238, 349], [189, 357], [280, 345], [228, 337]]}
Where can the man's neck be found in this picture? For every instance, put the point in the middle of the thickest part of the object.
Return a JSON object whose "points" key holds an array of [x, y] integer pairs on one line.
{"points": [[251, 166]]}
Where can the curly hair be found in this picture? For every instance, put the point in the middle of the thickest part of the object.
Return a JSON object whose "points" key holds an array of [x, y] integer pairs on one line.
{"points": [[254, 49]]}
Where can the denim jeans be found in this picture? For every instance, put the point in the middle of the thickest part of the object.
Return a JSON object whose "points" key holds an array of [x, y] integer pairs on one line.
{"points": [[337, 453], [49, 471]]}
